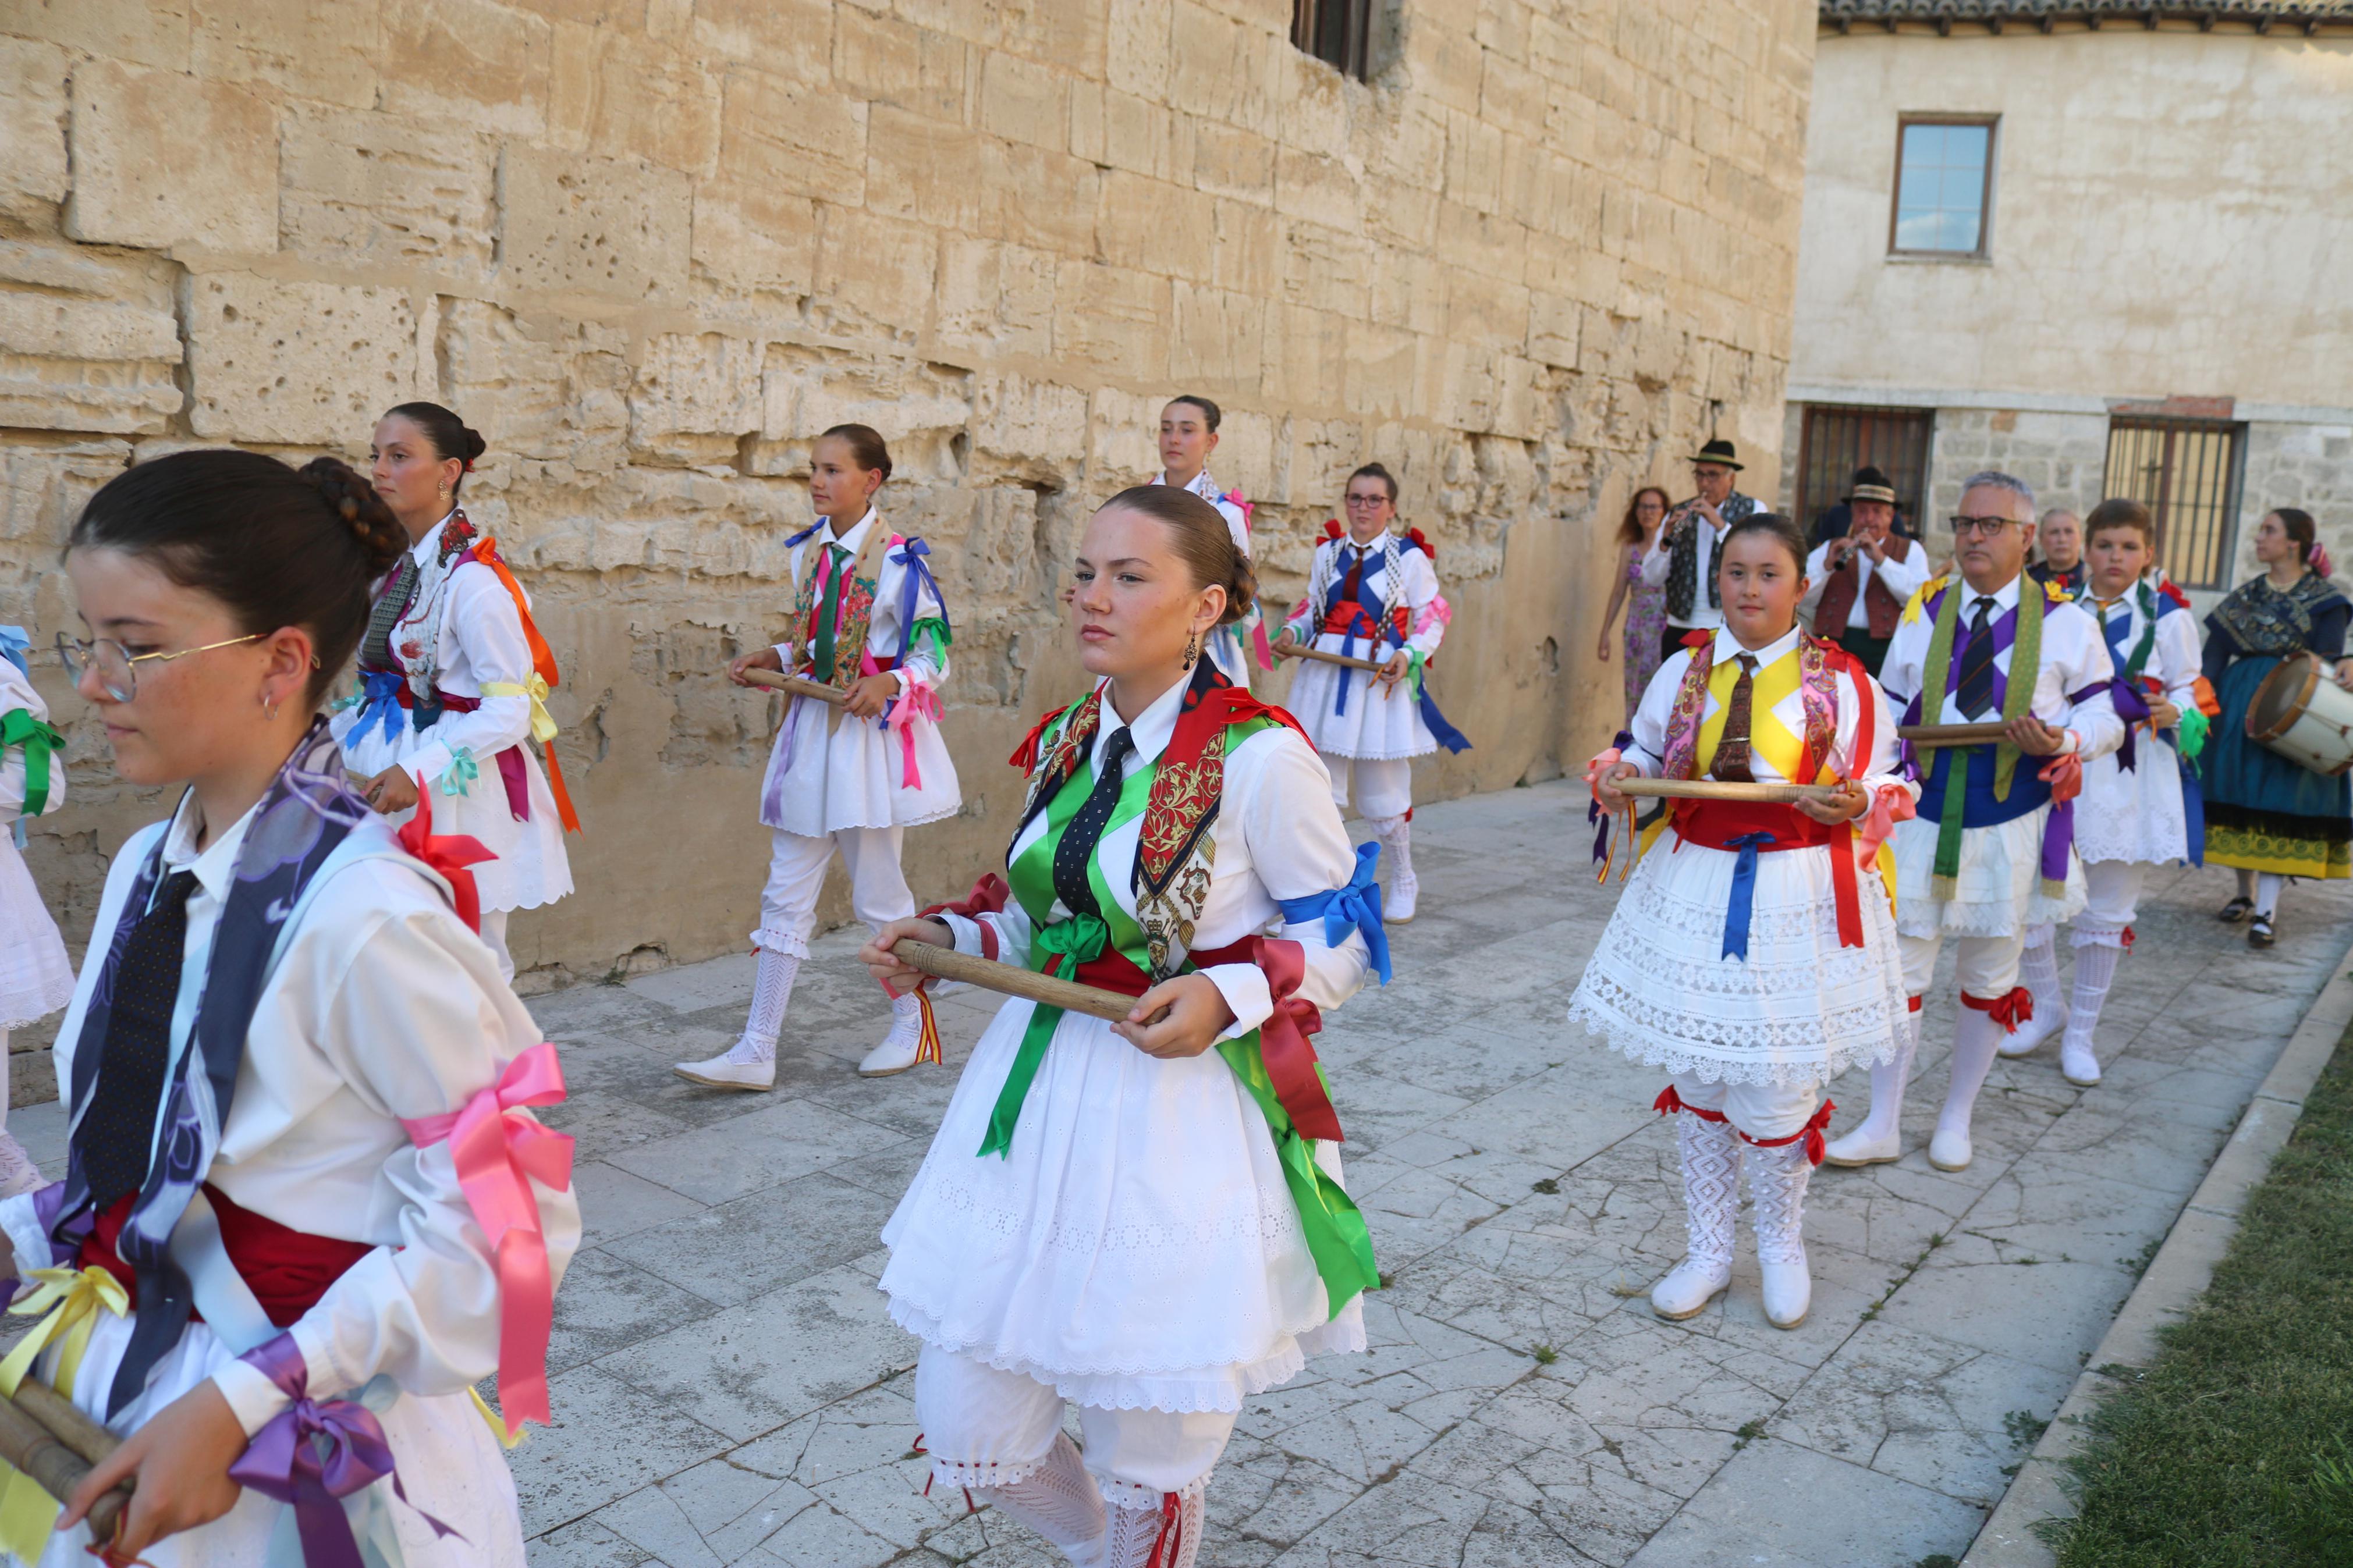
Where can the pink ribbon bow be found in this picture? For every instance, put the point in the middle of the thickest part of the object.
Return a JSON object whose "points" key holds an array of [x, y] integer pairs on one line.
{"points": [[1889, 805], [2064, 775], [1602, 762], [918, 701], [497, 1150]]}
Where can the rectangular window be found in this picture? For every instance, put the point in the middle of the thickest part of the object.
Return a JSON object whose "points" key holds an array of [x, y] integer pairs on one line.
{"points": [[1836, 440], [1943, 187], [1337, 32], [2186, 472]]}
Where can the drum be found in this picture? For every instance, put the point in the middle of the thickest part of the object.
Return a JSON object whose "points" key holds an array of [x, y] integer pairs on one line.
{"points": [[2304, 716]]}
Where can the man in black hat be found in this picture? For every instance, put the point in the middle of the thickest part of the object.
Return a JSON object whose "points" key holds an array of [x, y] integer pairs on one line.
{"points": [[1859, 584], [1684, 555]]}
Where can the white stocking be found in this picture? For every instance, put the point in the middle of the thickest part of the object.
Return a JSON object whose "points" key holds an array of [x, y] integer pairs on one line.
{"points": [[1976, 1036], [906, 1021], [1058, 1500], [2267, 892], [1887, 1083], [2038, 968], [1711, 1162], [1135, 1532], [771, 990], [1777, 1184], [2096, 968]]}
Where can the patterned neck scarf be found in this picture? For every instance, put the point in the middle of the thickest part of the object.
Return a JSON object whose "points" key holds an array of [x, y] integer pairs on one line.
{"points": [[2264, 620]]}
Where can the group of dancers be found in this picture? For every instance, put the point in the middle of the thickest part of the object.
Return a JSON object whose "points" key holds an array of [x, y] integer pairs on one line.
{"points": [[1979, 755]]}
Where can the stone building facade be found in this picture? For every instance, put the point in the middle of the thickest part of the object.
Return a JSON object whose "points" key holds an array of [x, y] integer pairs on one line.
{"points": [[649, 247], [2168, 190]]}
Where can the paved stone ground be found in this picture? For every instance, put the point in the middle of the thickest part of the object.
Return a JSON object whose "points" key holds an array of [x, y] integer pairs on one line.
{"points": [[730, 1389]]}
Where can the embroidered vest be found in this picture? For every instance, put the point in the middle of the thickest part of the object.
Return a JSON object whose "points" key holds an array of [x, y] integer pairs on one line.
{"points": [[1880, 603]]}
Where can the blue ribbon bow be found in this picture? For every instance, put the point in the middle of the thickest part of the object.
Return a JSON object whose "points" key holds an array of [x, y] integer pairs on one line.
{"points": [[919, 576], [379, 705], [795, 542], [1744, 893], [13, 644], [1356, 907]]}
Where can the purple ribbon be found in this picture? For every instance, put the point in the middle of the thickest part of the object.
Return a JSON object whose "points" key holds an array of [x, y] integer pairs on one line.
{"points": [[2058, 839], [314, 1454]]}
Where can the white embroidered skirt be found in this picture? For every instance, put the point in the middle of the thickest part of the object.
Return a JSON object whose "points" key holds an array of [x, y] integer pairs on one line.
{"points": [[1377, 726], [828, 772], [2000, 889], [532, 866], [34, 978], [2135, 815], [1799, 1008], [1138, 1247]]}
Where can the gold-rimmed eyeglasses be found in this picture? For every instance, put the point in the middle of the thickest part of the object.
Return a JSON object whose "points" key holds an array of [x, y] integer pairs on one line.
{"points": [[117, 668]]}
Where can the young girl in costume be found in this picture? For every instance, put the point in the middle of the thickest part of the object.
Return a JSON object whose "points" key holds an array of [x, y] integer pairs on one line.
{"points": [[36, 977], [1145, 1218], [2140, 802], [1188, 434], [1754, 958], [454, 679], [1372, 594], [868, 618], [2267, 817], [284, 996]]}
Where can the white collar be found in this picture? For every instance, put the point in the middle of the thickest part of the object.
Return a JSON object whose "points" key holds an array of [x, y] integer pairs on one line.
{"points": [[2005, 598], [1377, 541], [1153, 728], [1203, 485], [422, 551], [854, 540], [215, 864], [1727, 647]]}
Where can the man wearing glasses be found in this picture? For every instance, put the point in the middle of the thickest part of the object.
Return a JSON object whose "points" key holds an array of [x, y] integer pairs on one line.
{"points": [[1684, 555], [1991, 854]]}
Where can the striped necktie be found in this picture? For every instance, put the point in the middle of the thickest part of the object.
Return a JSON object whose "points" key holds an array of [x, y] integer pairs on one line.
{"points": [[1975, 693]]}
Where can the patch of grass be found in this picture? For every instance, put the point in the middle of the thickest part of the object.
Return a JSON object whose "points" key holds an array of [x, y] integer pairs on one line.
{"points": [[1938, 1560], [1546, 1355], [1547, 1186], [2230, 1450], [1748, 1433], [2024, 1428]]}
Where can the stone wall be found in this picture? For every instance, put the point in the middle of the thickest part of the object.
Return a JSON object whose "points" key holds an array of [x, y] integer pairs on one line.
{"points": [[649, 247]]}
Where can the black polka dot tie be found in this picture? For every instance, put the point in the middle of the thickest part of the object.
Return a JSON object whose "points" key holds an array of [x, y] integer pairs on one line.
{"points": [[1085, 831], [118, 1130]]}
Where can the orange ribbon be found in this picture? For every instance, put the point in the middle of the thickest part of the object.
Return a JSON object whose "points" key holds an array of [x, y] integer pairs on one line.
{"points": [[543, 661]]}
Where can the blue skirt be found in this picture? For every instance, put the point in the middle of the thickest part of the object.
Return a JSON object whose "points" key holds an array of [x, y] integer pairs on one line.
{"points": [[2265, 813]]}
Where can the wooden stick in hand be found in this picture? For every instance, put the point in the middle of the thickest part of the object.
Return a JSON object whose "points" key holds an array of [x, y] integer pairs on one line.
{"points": [[946, 963], [1928, 736], [1320, 657], [795, 686], [1718, 789], [53, 1458]]}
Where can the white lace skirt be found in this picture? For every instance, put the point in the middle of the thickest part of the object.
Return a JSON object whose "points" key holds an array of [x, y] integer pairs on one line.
{"points": [[1801, 1008], [1138, 1248], [36, 979], [530, 866], [828, 772], [2132, 815], [1377, 725], [2000, 889]]}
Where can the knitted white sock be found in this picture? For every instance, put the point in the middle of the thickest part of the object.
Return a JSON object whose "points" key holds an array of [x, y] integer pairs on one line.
{"points": [[2096, 969], [906, 1020], [2267, 892], [1134, 1534], [1887, 1083], [2038, 970], [1777, 1186], [1058, 1500], [1975, 1036], [771, 990]]}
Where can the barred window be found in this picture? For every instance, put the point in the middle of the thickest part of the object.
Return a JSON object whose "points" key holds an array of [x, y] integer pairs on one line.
{"points": [[2186, 472], [1337, 32]]}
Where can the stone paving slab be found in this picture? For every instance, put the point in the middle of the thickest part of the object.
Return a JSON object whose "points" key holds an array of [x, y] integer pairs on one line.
{"points": [[729, 1389]]}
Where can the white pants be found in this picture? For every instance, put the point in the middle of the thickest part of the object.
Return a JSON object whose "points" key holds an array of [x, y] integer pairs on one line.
{"points": [[797, 867], [1987, 966], [975, 1417], [2115, 887], [494, 932], [1383, 785], [1764, 1111]]}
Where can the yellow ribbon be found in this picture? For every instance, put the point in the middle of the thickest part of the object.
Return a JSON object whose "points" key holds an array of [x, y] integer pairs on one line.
{"points": [[542, 722], [497, 1423], [72, 1300]]}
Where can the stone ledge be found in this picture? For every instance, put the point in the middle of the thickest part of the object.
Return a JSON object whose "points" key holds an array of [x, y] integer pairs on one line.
{"points": [[2176, 1277]]}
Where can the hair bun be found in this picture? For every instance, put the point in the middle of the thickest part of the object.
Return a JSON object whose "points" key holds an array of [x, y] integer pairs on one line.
{"points": [[355, 504], [474, 444]]}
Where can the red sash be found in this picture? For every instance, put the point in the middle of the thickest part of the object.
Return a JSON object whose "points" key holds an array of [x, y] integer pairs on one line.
{"points": [[287, 1269], [1345, 618], [1714, 824]]}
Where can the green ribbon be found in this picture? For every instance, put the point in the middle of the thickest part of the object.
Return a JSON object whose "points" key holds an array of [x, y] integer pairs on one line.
{"points": [[19, 728], [461, 773], [2016, 700], [829, 611], [1336, 1232], [1059, 949], [934, 630], [2194, 725]]}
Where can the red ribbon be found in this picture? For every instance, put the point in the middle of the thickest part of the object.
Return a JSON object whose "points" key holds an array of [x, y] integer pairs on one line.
{"points": [[2128, 939], [2009, 1011], [1811, 1132], [1025, 755], [987, 898], [1669, 1102], [447, 853], [1171, 1539]]}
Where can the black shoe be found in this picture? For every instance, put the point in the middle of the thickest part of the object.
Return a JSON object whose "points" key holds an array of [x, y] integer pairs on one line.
{"points": [[2259, 931], [2237, 909]]}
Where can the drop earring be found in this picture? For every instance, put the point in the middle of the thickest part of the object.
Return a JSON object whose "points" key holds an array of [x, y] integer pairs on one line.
{"points": [[1192, 650]]}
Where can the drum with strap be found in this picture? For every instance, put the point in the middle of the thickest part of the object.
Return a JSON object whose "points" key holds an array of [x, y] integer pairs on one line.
{"points": [[2303, 715]]}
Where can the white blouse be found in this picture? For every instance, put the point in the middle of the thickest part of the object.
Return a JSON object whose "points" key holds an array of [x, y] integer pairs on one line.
{"points": [[2074, 656], [1415, 587], [1874, 772]]}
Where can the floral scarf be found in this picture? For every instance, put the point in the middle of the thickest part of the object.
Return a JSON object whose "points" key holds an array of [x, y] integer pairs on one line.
{"points": [[2263, 620]]}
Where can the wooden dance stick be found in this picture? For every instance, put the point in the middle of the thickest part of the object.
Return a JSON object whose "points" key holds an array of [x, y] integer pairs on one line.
{"points": [[1928, 736], [1342, 659], [53, 1458], [946, 963], [1718, 789], [794, 685]]}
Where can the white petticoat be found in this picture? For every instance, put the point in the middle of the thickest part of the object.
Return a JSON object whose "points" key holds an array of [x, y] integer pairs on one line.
{"points": [[448, 1464], [1801, 1008], [2000, 887], [842, 773], [532, 867], [1138, 1249], [1377, 726], [36, 979], [2132, 815]]}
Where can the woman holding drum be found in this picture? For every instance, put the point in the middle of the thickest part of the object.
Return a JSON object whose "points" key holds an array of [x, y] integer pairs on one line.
{"points": [[2271, 818]]}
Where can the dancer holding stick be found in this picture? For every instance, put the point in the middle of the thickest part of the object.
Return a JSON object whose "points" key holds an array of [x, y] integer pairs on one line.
{"points": [[1140, 1217], [1757, 960]]}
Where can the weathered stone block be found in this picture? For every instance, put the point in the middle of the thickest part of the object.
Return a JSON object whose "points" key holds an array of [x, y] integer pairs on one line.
{"points": [[304, 364], [33, 176], [694, 397], [996, 297], [753, 237], [1036, 196], [786, 37], [44, 483], [1024, 428], [922, 169], [507, 375], [365, 190], [655, 103], [794, 136], [143, 32], [1112, 317], [467, 62], [1233, 163], [1137, 61], [1155, 226], [598, 225], [1122, 438], [1317, 190], [1024, 102], [1216, 338], [1248, 255], [319, 49], [889, 61], [873, 272], [161, 161]]}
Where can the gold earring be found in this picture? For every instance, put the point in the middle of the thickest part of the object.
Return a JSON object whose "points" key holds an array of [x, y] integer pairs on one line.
{"points": [[1192, 649]]}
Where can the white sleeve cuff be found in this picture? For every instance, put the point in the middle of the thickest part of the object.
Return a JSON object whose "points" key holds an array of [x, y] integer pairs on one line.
{"points": [[1246, 992], [255, 1400], [2074, 743], [968, 933]]}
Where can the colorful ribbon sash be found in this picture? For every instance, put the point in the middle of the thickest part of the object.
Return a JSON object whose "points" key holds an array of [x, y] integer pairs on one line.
{"points": [[449, 854], [1355, 907], [1059, 949], [67, 1302], [499, 1149], [41, 742], [380, 706]]}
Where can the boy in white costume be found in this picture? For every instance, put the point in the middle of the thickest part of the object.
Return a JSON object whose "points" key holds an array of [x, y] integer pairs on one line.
{"points": [[1990, 854], [36, 979], [1372, 594], [851, 778], [1188, 434]]}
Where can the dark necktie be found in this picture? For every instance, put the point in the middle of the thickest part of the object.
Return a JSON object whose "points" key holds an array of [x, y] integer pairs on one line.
{"points": [[375, 648], [118, 1130], [829, 612], [1355, 578], [1732, 750], [1077, 849], [1976, 690]]}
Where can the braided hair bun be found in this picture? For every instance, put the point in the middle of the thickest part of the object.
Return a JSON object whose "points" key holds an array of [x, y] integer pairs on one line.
{"points": [[1203, 542], [360, 509]]}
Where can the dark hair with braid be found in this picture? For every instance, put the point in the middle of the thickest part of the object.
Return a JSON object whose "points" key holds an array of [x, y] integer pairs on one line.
{"points": [[1202, 540], [278, 547], [866, 446], [449, 435]]}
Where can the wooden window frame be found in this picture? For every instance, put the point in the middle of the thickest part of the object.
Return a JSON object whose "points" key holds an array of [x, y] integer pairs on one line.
{"points": [[2223, 567], [1355, 34], [1984, 252], [1802, 502]]}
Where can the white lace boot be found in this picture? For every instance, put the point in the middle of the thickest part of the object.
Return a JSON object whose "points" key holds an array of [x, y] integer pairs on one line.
{"points": [[1777, 1186], [17, 1172], [1396, 835], [1058, 1500], [902, 1046], [2038, 971], [1168, 1536], [1711, 1160], [1878, 1138], [1976, 1037], [751, 1062], [2096, 969]]}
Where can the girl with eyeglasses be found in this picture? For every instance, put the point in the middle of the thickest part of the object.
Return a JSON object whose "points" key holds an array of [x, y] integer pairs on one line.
{"points": [[265, 1233]]}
